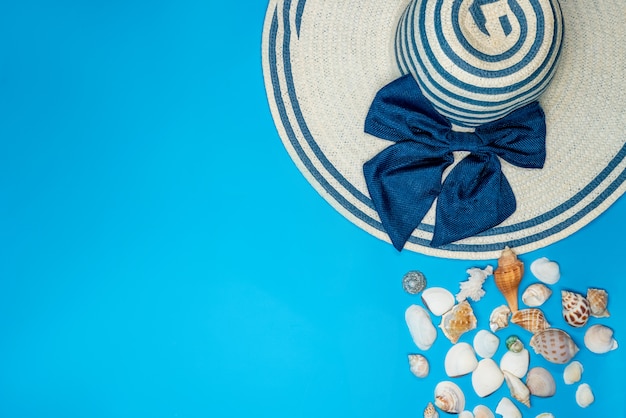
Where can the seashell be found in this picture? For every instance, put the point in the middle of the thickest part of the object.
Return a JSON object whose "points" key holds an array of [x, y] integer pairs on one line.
{"points": [[499, 318], [487, 378], [419, 365], [554, 345], [545, 415], [460, 360], [584, 395], [508, 276], [575, 308], [545, 270], [473, 287], [536, 294], [457, 321], [573, 373], [515, 363], [430, 411], [449, 397], [438, 300], [514, 344], [531, 319], [481, 411], [466, 414], [599, 339], [486, 344], [540, 382], [519, 391], [414, 282], [598, 300], [420, 326], [507, 409]]}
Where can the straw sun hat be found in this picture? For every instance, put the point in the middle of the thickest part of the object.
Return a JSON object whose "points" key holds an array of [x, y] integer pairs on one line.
{"points": [[418, 120]]}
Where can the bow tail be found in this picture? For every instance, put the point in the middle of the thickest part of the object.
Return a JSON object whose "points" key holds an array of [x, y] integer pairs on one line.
{"points": [[475, 196]]}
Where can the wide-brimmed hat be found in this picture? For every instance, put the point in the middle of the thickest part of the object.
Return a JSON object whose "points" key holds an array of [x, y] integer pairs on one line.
{"points": [[328, 64]]}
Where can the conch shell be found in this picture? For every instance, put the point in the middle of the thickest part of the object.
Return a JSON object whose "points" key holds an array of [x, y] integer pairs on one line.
{"points": [[519, 390], [420, 326], [457, 321], [598, 300], [554, 345], [531, 319], [536, 294], [449, 397], [599, 339], [508, 276], [575, 308]]}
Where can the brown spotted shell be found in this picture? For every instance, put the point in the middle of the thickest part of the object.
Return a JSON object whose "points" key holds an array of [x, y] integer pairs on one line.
{"points": [[457, 321], [554, 345], [531, 319], [576, 308], [508, 276], [598, 300]]}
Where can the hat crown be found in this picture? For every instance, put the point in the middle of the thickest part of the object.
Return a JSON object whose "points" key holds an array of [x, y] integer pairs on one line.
{"points": [[478, 60]]}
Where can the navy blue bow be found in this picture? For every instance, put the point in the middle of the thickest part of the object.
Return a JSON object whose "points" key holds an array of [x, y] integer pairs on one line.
{"points": [[405, 178]]}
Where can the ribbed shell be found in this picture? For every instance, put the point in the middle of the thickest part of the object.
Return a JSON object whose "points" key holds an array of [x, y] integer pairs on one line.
{"points": [[531, 319], [508, 276], [554, 345], [598, 301]]}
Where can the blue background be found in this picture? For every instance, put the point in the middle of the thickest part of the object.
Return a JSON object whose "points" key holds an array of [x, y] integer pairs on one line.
{"points": [[161, 255]]}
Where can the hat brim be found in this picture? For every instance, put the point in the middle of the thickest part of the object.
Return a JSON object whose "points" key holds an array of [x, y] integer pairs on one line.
{"points": [[324, 62]]}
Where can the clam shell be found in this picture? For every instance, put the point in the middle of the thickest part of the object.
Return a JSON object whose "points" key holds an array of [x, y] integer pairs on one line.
{"points": [[545, 415], [508, 276], [430, 411], [519, 391], [438, 300], [499, 318], [486, 343], [576, 308], [460, 360], [507, 409], [420, 326], [599, 339], [481, 411], [413, 282], [573, 373], [545, 270], [487, 378], [449, 397], [554, 345], [515, 363], [536, 294], [540, 382], [584, 395], [457, 321], [531, 319], [598, 300], [418, 365]]}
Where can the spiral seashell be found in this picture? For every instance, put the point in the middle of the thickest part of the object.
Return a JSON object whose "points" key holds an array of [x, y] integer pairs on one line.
{"points": [[540, 382], [486, 344], [414, 282], [449, 397], [508, 276], [545, 270], [514, 344], [536, 294], [531, 319], [438, 300], [575, 308], [507, 409], [430, 411], [599, 339], [584, 395], [418, 365], [519, 391], [481, 411], [573, 373], [420, 326], [487, 378], [457, 321], [598, 300], [460, 360], [499, 318], [515, 363], [554, 345]]}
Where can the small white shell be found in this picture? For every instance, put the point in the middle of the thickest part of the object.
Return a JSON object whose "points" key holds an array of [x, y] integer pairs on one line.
{"points": [[507, 409], [487, 378], [466, 414], [449, 397], [438, 300], [518, 389], [573, 373], [599, 339], [545, 415], [545, 270], [536, 294], [516, 363], [499, 318], [584, 395], [481, 411], [460, 360], [485, 343], [420, 326], [540, 382], [418, 365], [430, 411]]}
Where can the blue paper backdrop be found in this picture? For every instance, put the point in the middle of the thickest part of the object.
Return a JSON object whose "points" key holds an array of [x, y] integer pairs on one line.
{"points": [[161, 256]]}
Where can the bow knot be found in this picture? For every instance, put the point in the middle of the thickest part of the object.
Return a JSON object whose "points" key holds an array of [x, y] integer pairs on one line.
{"points": [[465, 141]]}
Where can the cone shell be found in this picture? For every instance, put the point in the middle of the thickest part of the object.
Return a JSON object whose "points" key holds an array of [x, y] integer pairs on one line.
{"points": [[460, 360], [576, 308], [599, 339], [449, 397], [438, 300], [420, 326], [554, 345], [457, 321], [430, 411], [515, 363], [598, 301], [531, 319], [540, 382], [419, 365], [536, 294], [573, 373], [508, 276], [507, 409], [481, 411], [487, 378], [499, 318], [519, 391]]}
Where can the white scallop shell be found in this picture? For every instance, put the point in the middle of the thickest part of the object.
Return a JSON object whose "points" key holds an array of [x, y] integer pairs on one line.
{"points": [[449, 397], [466, 414], [516, 363], [418, 365], [420, 326], [481, 411], [487, 378], [438, 300], [573, 373], [540, 382], [518, 389], [486, 343], [507, 409], [499, 318], [536, 294], [584, 395], [599, 339], [545, 270], [460, 360]]}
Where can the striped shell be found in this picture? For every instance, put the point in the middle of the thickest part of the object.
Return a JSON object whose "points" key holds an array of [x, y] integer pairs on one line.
{"points": [[531, 319], [449, 397], [508, 276], [554, 345], [576, 308], [598, 300]]}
